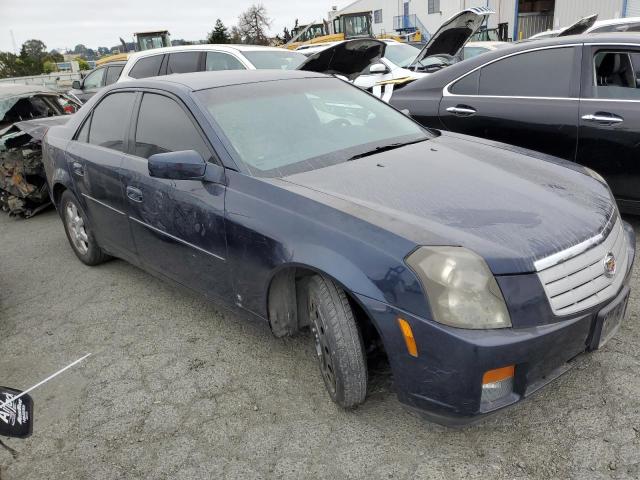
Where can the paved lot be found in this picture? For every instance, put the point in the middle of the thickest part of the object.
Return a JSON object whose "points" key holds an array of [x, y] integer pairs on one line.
{"points": [[177, 388]]}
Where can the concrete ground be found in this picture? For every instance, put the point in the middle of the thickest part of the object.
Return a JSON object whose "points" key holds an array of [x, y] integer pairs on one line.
{"points": [[176, 388]]}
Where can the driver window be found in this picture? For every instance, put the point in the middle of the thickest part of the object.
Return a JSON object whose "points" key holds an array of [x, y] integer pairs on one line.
{"points": [[617, 75], [94, 79]]}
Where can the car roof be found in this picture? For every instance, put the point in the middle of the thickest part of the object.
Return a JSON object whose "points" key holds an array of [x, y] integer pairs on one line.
{"points": [[608, 37], [205, 47], [204, 80]]}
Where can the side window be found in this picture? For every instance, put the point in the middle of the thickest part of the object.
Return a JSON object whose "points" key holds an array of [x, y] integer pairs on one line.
{"points": [[110, 120], [467, 85], [616, 75], [541, 73], [113, 73], [83, 134], [146, 67], [183, 62], [94, 79], [163, 126], [222, 61]]}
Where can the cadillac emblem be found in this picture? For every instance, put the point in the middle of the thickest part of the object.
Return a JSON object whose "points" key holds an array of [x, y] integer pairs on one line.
{"points": [[609, 263]]}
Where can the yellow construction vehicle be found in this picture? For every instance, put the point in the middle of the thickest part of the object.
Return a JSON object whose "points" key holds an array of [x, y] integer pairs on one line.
{"points": [[343, 27], [144, 41]]}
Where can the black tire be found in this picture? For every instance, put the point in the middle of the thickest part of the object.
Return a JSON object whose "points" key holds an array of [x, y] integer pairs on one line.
{"points": [[338, 342], [93, 255]]}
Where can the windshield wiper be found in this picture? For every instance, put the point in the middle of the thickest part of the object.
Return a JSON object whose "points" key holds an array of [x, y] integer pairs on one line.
{"points": [[384, 148]]}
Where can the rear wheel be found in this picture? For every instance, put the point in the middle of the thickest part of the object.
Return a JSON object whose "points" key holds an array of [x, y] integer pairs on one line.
{"points": [[338, 343], [78, 232]]}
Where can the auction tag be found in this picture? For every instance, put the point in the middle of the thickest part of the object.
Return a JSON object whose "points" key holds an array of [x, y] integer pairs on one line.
{"points": [[16, 417]]}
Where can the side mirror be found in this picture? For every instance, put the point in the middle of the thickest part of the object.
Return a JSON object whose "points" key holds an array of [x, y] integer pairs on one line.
{"points": [[76, 85], [378, 68], [183, 165]]}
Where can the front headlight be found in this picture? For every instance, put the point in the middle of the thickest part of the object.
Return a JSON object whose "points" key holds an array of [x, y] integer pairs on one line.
{"points": [[461, 289], [596, 175]]}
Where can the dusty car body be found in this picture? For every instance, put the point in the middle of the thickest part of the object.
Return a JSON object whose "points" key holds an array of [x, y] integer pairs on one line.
{"points": [[481, 269], [25, 113]]}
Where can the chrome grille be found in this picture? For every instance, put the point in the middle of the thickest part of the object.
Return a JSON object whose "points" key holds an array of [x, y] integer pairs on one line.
{"points": [[580, 282]]}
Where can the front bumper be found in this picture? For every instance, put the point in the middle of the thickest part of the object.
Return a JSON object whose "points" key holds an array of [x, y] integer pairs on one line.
{"points": [[444, 382]]}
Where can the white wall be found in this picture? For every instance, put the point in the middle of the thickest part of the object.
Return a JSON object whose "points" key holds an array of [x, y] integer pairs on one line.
{"points": [[568, 11]]}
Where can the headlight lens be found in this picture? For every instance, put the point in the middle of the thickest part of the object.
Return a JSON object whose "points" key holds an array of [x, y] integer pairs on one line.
{"points": [[461, 289]]}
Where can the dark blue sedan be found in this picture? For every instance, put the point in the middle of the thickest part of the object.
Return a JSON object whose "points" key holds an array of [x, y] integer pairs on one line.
{"points": [[481, 270]]}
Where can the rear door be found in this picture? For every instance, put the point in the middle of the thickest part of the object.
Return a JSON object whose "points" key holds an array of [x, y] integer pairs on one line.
{"points": [[610, 118], [94, 158], [528, 99], [178, 225]]}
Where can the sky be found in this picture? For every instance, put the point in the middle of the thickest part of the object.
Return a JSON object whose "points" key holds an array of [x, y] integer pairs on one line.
{"points": [[63, 24]]}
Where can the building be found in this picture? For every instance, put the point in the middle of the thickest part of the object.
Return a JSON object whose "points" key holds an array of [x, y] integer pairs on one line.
{"points": [[523, 18]]}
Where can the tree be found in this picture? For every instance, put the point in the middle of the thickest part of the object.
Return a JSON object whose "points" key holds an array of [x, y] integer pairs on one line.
{"points": [[252, 24], [11, 65], [32, 54], [48, 66], [286, 35], [82, 63], [219, 33], [236, 36], [55, 56], [103, 51]]}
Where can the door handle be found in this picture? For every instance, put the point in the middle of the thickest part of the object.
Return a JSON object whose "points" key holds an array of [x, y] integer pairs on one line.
{"points": [[78, 169], [603, 118], [462, 110], [134, 194]]}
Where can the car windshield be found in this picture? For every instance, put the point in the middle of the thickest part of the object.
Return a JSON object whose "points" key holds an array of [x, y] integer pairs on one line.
{"points": [[291, 126], [271, 59], [401, 54]]}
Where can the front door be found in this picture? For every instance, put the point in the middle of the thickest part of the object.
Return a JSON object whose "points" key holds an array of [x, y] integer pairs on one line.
{"points": [[528, 99], [94, 158], [91, 84], [178, 225], [610, 119]]}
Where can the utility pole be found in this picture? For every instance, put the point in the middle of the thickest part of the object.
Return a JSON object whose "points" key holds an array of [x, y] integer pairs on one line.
{"points": [[13, 40]]}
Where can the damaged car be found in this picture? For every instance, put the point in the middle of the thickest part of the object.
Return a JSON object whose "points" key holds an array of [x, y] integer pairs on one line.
{"points": [[25, 114], [368, 62], [480, 270]]}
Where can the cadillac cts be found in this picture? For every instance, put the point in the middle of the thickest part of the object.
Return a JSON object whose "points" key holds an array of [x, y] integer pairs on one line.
{"points": [[480, 269]]}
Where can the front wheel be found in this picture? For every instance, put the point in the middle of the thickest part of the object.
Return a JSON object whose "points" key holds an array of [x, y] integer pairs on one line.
{"points": [[338, 343], [78, 232]]}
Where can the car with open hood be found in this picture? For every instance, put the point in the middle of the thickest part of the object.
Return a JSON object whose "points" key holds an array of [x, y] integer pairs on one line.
{"points": [[479, 269], [368, 62], [573, 97]]}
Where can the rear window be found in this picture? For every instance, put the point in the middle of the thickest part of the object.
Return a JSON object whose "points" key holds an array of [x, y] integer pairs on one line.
{"points": [[271, 59], [146, 67], [183, 62]]}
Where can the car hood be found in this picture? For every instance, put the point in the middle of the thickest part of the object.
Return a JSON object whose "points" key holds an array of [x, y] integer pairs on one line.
{"points": [[497, 200], [348, 58], [579, 27], [454, 33]]}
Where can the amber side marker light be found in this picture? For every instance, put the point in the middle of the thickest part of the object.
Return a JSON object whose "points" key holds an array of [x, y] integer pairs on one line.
{"points": [[497, 383], [409, 340]]}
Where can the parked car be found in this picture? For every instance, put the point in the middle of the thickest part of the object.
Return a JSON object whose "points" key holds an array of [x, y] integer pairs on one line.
{"points": [[572, 97], [368, 62], [481, 270], [25, 113], [629, 24], [197, 58], [96, 79]]}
